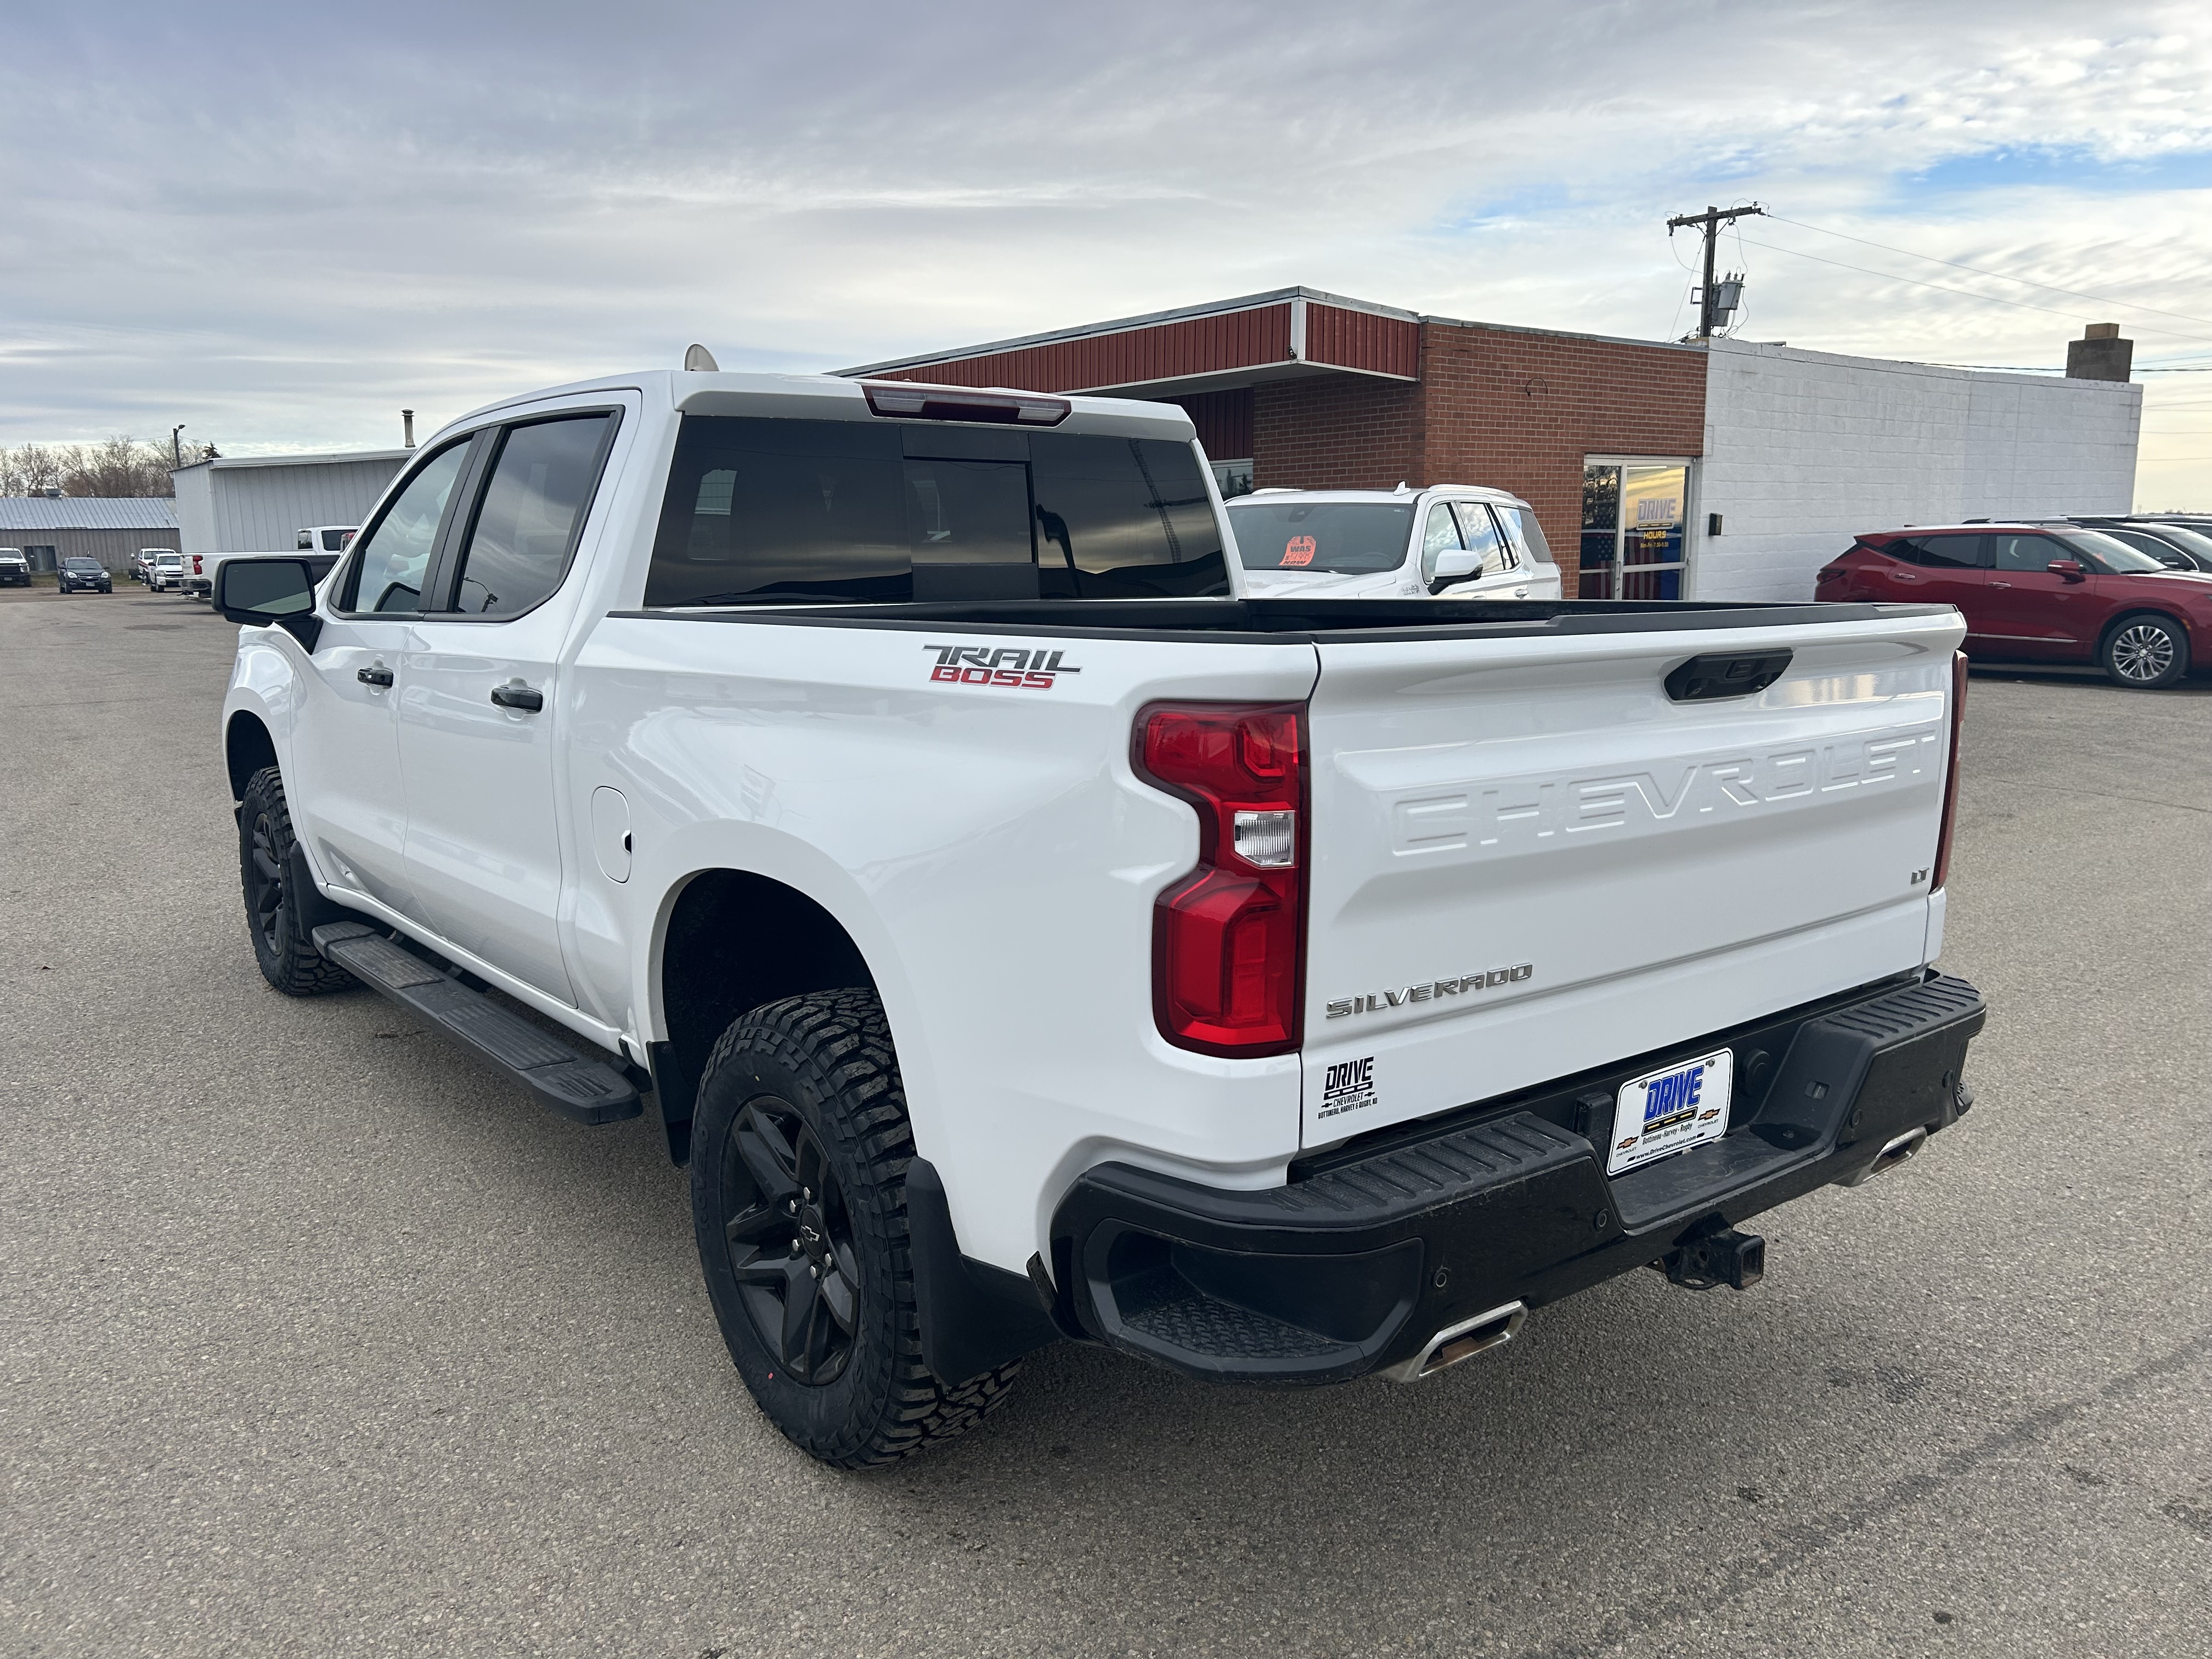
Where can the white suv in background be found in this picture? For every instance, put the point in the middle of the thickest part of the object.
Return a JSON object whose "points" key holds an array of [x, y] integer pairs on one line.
{"points": [[1457, 540]]}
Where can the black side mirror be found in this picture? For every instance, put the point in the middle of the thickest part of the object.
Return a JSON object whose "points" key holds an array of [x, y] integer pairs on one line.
{"points": [[2072, 569], [264, 593]]}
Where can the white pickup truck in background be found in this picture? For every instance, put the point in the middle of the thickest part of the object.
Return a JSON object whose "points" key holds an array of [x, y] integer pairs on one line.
{"points": [[199, 569], [1026, 935], [1454, 541]]}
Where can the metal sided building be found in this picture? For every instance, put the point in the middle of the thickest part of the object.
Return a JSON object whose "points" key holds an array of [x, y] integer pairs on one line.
{"points": [[1658, 470], [109, 528], [258, 503]]}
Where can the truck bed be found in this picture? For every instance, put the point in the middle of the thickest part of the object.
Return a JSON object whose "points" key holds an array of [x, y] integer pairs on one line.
{"points": [[1286, 620]]}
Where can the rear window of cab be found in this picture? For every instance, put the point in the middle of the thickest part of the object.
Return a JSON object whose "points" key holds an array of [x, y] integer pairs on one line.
{"points": [[761, 511]]}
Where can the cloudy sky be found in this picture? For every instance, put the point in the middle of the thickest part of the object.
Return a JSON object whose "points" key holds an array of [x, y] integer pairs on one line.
{"points": [[281, 225]]}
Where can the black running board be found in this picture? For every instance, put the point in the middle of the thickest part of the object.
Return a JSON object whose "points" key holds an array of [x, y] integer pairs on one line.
{"points": [[577, 1088]]}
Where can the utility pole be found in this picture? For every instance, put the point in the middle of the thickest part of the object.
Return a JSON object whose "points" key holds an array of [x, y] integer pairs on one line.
{"points": [[1710, 221]]}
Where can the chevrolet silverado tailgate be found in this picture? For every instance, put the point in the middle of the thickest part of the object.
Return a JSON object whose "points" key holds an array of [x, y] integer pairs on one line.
{"points": [[1530, 860]]}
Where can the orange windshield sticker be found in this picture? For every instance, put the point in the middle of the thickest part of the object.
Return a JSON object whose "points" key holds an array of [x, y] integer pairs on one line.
{"points": [[1299, 550]]}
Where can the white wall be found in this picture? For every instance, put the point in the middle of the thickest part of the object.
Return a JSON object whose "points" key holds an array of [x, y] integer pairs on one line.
{"points": [[1804, 450], [258, 509], [196, 509]]}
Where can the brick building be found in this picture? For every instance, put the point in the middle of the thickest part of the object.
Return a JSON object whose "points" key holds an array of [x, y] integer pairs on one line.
{"points": [[1657, 470]]}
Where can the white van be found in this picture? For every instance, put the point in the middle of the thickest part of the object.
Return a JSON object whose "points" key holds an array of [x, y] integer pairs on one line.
{"points": [[1457, 540]]}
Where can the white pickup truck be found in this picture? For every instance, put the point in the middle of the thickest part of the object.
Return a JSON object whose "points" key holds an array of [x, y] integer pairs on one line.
{"points": [[199, 569], [1025, 936], [1454, 541]]}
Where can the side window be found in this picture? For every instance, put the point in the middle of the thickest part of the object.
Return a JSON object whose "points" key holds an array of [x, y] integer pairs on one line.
{"points": [[1439, 536], [1527, 536], [1961, 552], [2026, 552], [1476, 524], [540, 483], [388, 574]]}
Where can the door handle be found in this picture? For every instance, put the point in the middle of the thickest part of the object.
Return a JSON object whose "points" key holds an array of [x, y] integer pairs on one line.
{"points": [[518, 695], [1903, 577], [1995, 584], [379, 675]]}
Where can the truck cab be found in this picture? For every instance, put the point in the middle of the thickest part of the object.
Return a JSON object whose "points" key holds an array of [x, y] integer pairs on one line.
{"points": [[1457, 540]]}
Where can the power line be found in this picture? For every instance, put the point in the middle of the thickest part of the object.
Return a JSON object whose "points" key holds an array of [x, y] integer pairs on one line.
{"points": [[2002, 276], [1963, 293]]}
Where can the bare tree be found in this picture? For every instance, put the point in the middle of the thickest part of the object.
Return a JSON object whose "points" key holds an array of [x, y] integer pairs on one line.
{"points": [[29, 471], [116, 466]]}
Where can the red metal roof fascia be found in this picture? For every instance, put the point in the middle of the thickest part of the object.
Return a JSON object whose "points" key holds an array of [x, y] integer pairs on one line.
{"points": [[1166, 351], [1361, 340]]}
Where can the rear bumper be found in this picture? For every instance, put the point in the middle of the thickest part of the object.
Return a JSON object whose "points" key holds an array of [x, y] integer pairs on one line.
{"points": [[1357, 1263]]}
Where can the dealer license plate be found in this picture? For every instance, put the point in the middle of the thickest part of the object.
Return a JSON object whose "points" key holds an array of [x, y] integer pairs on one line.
{"points": [[1681, 1105]]}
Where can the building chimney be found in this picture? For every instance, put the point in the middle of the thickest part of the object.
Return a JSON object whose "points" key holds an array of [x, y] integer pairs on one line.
{"points": [[407, 425], [2100, 355]]}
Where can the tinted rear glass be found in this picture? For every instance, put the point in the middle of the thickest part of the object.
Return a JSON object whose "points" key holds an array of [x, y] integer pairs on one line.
{"points": [[1343, 537], [763, 511]]}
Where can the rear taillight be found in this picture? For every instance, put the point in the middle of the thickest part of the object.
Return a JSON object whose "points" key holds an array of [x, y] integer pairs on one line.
{"points": [[1951, 772], [1229, 938], [1834, 572], [195, 565]]}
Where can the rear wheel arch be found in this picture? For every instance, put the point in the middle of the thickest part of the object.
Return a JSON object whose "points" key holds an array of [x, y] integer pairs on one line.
{"points": [[2140, 612], [735, 940]]}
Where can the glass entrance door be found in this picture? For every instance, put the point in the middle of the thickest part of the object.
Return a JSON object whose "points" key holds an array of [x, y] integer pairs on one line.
{"points": [[1636, 518]]}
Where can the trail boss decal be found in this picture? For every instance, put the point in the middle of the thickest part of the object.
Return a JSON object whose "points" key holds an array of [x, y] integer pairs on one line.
{"points": [[1375, 1001], [1348, 1086], [982, 665]]}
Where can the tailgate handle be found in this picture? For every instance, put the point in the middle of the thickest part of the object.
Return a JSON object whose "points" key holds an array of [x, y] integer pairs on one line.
{"points": [[1721, 675]]}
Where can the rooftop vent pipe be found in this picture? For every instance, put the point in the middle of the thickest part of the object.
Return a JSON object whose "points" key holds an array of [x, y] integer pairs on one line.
{"points": [[407, 428]]}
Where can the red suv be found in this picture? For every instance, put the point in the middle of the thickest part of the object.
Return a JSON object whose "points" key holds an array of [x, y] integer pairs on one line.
{"points": [[2040, 593]]}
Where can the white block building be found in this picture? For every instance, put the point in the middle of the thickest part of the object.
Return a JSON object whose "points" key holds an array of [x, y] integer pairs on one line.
{"points": [[1804, 450], [256, 503]]}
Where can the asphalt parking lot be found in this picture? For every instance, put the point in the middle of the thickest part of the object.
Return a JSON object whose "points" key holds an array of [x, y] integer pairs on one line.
{"points": [[315, 1337]]}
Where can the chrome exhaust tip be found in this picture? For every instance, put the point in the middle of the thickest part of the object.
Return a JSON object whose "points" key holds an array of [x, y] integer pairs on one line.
{"points": [[1893, 1152], [1464, 1340]]}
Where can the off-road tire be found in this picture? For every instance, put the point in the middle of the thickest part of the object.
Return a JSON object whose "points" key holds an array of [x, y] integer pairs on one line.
{"points": [[2131, 657], [287, 957], [825, 1060]]}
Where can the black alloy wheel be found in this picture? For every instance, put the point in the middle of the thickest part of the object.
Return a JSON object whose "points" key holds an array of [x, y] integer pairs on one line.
{"points": [[264, 880], [287, 957], [790, 1240], [799, 1148]]}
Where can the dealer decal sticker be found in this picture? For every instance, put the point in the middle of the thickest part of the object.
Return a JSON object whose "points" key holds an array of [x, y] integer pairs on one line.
{"points": [[1016, 669], [1348, 1086]]}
